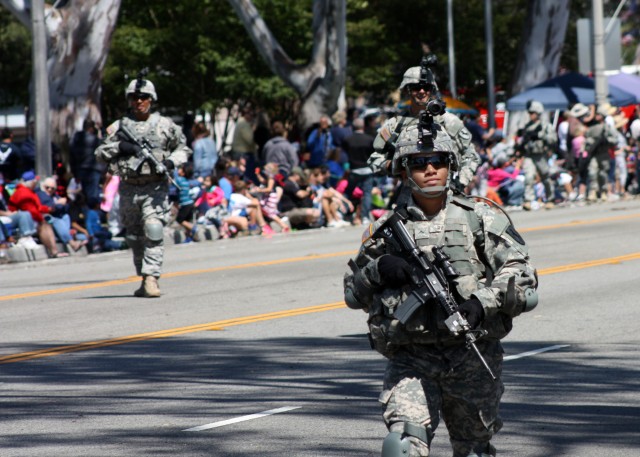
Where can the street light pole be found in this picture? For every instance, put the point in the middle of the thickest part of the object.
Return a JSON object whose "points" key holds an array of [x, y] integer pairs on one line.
{"points": [[598, 53], [491, 96], [41, 102], [452, 55]]}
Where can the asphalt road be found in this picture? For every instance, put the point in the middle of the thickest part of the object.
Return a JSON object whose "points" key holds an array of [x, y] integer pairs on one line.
{"points": [[251, 351]]}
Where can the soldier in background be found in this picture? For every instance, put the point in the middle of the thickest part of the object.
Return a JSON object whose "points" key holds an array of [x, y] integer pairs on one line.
{"points": [[431, 374], [420, 94], [599, 139], [538, 141], [144, 188]]}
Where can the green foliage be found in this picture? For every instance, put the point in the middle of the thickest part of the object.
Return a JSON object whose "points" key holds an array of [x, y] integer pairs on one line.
{"points": [[15, 59], [200, 57]]}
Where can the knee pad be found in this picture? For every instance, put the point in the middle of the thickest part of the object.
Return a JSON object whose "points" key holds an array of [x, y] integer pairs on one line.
{"points": [[399, 444], [396, 445], [154, 230]]}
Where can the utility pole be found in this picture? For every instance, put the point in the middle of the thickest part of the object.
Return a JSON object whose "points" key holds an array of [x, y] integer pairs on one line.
{"points": [[41, 102], [452, 55], [491, 96], [598, 52]]}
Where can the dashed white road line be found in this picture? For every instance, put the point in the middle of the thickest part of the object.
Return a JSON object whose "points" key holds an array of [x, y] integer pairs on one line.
{"points": [[241, 419], [536, 351], [291, 408]]}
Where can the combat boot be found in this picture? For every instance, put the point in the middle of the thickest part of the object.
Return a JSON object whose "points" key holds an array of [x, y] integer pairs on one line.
{"points": [[140, 290], [151, 288]]}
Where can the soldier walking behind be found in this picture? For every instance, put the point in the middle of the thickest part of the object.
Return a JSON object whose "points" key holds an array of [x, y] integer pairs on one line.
{"points": [[431, 372], [144, 148], [538, 140]]}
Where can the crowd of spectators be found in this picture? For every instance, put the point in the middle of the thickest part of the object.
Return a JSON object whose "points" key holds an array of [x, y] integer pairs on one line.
{"points": [[264, 182]]}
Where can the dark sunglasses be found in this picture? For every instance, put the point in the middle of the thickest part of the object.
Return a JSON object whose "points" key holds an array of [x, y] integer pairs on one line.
{"points": [[49, 188], [140, 96], [417, 87], [424, 161]]}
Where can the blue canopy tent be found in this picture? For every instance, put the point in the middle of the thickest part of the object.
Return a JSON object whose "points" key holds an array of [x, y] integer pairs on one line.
{"points": [[561, 92], [628, 83]]}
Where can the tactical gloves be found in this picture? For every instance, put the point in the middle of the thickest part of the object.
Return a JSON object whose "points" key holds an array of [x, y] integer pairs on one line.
{"points": [[394, 271], [127, 148], [474, 312]]}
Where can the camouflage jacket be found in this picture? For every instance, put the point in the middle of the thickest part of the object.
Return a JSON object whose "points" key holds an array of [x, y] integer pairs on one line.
{"points": [[166, 137], [539, 138], [483, 247], [468, 158], [599, 138]]}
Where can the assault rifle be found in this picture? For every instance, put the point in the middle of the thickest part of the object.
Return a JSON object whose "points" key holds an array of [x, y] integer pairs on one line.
{"points": [[431, 283], [144, 153]]}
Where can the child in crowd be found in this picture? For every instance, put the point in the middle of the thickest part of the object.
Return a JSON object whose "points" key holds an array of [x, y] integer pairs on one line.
{"points": [[269, 194], [186, 201], [242, 203]]}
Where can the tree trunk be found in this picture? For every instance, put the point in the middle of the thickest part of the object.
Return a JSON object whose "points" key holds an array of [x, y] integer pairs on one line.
{"points": [[541, 46], [318, 83], [79, 36]]}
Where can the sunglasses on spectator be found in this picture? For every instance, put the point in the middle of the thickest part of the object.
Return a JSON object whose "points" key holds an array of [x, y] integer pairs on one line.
{"points": [[49, 188], [418, 87], [423, 162]]}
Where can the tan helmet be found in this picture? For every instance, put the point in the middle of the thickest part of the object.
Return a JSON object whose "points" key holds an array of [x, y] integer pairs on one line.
{"points": [[409, 144], [142, 86], [534, 106], [411, 76]]}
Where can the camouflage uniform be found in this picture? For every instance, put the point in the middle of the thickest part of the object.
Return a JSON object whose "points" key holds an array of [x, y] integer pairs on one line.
{"points": [[539, 140], [466, 155], [430, 373], [599, 138], [144, 203]]}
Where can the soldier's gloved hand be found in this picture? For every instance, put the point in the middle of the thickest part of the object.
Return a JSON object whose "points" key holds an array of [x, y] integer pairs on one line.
{"points": [[474, 312], [394, 270], [127, 148], [169, 165]]}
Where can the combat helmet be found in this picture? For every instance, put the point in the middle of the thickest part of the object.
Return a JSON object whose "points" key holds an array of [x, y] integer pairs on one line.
{"points": [[534, 106], [141, 86], [412, 76], [424, 137]]}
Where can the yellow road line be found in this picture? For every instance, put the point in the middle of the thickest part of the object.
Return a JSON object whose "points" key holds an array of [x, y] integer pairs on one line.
{"points": [[132, 279], [175, 274], [575, 223], [220, 325]]}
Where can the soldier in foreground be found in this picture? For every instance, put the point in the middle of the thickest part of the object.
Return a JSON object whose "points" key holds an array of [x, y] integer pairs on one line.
{"points": [[418, 83], [441, 278], [143, 148]]}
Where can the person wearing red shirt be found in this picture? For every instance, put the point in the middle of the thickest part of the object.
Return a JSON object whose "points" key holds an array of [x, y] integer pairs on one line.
{"points": [[24, 198]]}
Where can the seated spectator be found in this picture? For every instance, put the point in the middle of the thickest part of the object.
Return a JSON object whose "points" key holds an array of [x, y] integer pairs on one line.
{"points": [[58, 215], [333, 204], [101, 239], [16, 224], [24, 198], [503, 179], [296, 203], [242, 203], [269, 194]]}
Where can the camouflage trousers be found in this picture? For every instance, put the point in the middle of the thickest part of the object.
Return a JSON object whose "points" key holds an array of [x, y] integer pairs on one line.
{"points": [[144, 211], [537, 164], [424, 383], [599, 166]]}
